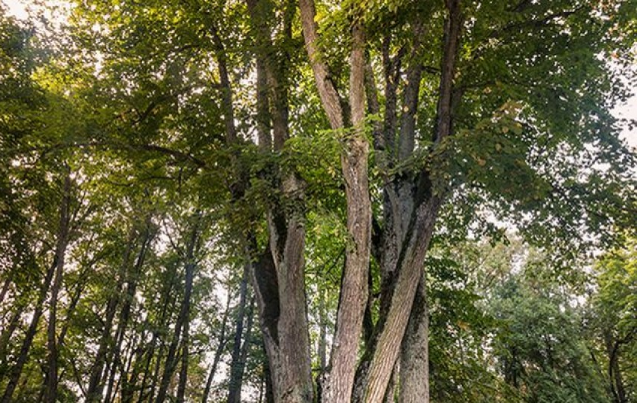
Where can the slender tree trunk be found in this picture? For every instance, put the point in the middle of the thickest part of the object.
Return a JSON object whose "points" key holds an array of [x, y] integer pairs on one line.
{"points": [[219, 351], [614, 373], [269, 389], [132, 280], [7, 332], [245, 347], [62, 242], [56, 267], [236, 366], [185, 340], [322, 344], [128, 389], [98, 373], [16, 371], [168, 300], [6, 286], [70, 310], [155, 376], [184, 313]]}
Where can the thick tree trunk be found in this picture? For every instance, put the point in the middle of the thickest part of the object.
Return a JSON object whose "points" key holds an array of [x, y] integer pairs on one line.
{"points": [[339, 380], [278, 274], [395, 311], [389, 340], [414, 358], [287, 339]]}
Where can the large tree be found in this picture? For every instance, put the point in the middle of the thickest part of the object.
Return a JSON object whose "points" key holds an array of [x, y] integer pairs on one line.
{"points": [[392, 121]]}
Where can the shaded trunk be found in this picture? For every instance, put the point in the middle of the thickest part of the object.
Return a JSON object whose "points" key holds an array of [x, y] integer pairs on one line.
{"points": [[322, 347], [243, 353], [98, 373], [218, 352], [375, 370], [55, 269], [393, 387], [236, 366], [7, 333], [62, 242], [277, 274], [183, 373], [132, 282], [614, 373], [6, 285], [285, 331], [184, 313], [14, 374], [168, 300], [130, 384], [414, 358]]}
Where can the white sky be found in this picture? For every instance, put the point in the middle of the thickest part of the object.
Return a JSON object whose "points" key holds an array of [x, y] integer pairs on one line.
{"points": [[627, 111]]}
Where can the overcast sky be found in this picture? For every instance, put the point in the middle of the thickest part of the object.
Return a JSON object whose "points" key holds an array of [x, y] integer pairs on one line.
{"points": [[627, 111]]}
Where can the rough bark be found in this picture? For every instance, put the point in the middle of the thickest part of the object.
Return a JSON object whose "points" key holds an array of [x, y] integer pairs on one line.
{"points": [[288, 346], [414, 358], [395, 323], [326, 88], [417, 234], [277, 274], [354, 287]]}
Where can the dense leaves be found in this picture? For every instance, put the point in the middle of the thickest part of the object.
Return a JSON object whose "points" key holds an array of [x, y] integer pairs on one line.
{"points": [[173, 190]]}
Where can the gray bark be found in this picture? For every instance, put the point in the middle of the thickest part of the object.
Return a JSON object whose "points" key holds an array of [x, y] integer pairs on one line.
{"points": [[414, 358], [339, 380]]}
